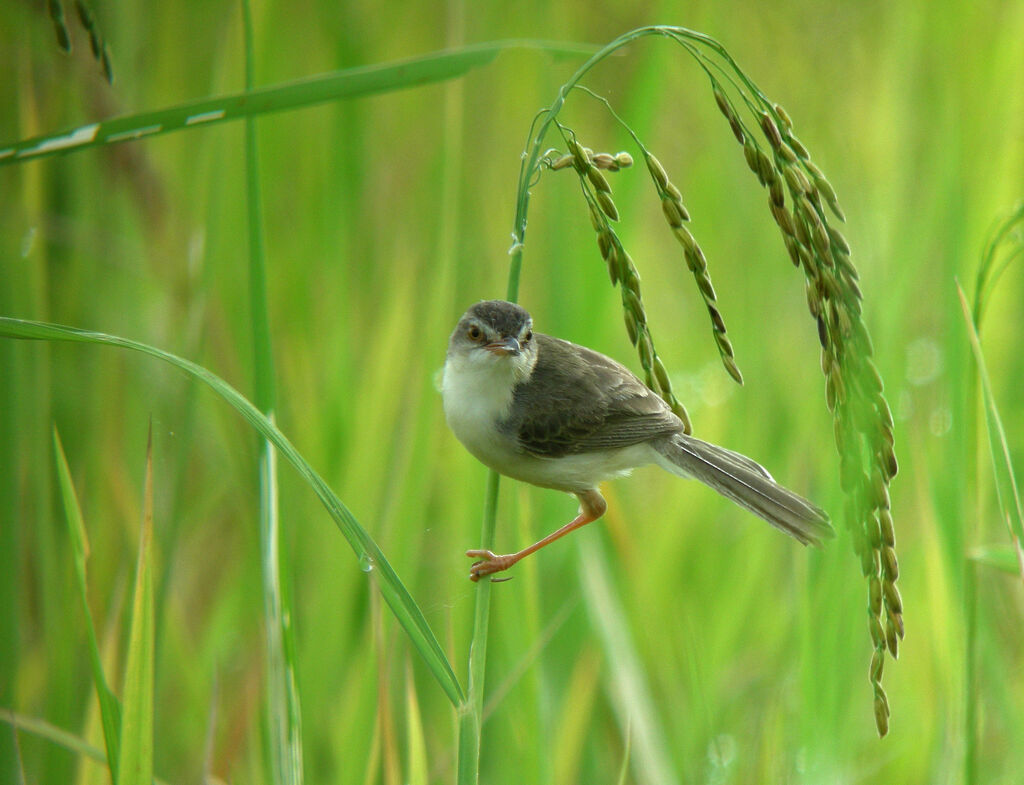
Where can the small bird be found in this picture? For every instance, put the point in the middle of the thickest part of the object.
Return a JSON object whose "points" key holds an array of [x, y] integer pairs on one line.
{"points": [[557, 415]]}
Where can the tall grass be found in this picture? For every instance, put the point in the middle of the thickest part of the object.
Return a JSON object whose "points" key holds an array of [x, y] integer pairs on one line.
{"points": [[674, 640]]}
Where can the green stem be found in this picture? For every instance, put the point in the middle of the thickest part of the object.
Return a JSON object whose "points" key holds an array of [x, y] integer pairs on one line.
{"points": [[284, 719], [471, 711]]}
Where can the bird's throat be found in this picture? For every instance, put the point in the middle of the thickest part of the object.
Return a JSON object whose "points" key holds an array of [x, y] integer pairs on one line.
{"points": [[478, 394]]}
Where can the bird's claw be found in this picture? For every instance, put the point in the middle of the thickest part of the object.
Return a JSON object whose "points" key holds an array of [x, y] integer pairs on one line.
{"points": [[489, 563]]}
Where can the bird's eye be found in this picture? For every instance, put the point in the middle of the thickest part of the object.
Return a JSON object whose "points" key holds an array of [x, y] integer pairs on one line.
{"points": [[528, 336], [475, 333]]}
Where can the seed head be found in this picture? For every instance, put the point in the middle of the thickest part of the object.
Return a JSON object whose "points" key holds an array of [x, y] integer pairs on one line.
{"points": [[782, 218], [631, 325], [708, 291], [771, 131], [784, 119], [684, 237], [680, 411], [661, 375], [797, 181], [695, 260], [657, 171], [724, 345], [881, 713], [562, 162], [892, 641], [717, 323], [723, 103], [798, 147], [732, 368], [607, 205], [646, 350], [750, 153], [673, 214], [877, 664], [598, 180], [875, 596], [877, 633], [579, 153], [785, 152], [890, 567]]}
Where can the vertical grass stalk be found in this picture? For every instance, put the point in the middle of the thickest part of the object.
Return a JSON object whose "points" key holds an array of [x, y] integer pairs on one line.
{"points": [[110, 709], [471, 711], [284, 719], [135, 756]]}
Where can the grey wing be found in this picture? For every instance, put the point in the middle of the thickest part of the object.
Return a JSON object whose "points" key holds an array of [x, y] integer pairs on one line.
{"points": [[578, 401]]}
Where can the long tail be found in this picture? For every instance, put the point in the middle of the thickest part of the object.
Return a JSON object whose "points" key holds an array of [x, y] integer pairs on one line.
{"points": [[748, 484]]}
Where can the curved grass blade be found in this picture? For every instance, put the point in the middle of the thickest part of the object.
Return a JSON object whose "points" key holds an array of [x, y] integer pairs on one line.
{"points": [[1007, 239], [371, 558], [345, 84], [1007, 491], [110, 709]]}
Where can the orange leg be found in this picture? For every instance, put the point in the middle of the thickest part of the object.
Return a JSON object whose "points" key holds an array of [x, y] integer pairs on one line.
{"points": [[592, 507]]}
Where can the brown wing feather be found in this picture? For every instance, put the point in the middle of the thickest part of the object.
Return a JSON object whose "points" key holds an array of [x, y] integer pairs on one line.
{"points": [[591, 403]]}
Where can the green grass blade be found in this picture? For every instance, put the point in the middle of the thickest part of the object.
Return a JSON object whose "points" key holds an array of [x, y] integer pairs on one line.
{"points": [[1002, 464], [371, 558], [417, 767], [471, 714], [284, 715], [337, 85], [630, 692], [135, 764], [110, 709], [1006, 237]]}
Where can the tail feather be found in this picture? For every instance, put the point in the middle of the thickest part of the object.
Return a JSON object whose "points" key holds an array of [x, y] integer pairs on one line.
{"points": [[747, 483]]}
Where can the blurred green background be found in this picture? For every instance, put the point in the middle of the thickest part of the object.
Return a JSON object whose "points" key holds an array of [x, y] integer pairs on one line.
{"points": [[384, 218]]}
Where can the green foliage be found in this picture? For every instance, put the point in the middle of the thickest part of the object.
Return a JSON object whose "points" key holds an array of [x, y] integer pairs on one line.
{"points": [[135, 746], [110, 708], [676, 640]]}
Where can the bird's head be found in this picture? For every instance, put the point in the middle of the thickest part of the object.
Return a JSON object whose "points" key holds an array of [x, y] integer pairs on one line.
{"points": [[495, 334]]}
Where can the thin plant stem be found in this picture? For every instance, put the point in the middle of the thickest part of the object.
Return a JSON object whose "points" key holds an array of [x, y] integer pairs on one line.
{"points": [[471, 711], [284, 719]]}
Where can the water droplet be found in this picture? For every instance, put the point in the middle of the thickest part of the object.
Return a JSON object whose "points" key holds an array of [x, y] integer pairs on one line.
{"points": [[366, 562]]}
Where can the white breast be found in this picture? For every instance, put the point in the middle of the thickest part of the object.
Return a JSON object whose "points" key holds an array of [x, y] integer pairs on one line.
{"points": [[477, 395], [477, 391]]}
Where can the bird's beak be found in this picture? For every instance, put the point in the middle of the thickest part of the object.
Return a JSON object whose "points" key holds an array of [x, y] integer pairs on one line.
{"points": [[506, 346]]}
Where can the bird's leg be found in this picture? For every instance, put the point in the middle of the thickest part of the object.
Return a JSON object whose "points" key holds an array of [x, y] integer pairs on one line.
{"points": [[592, 507]]}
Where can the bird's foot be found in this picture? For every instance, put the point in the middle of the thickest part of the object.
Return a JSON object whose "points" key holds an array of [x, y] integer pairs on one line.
{"points": [[489, 563]]}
